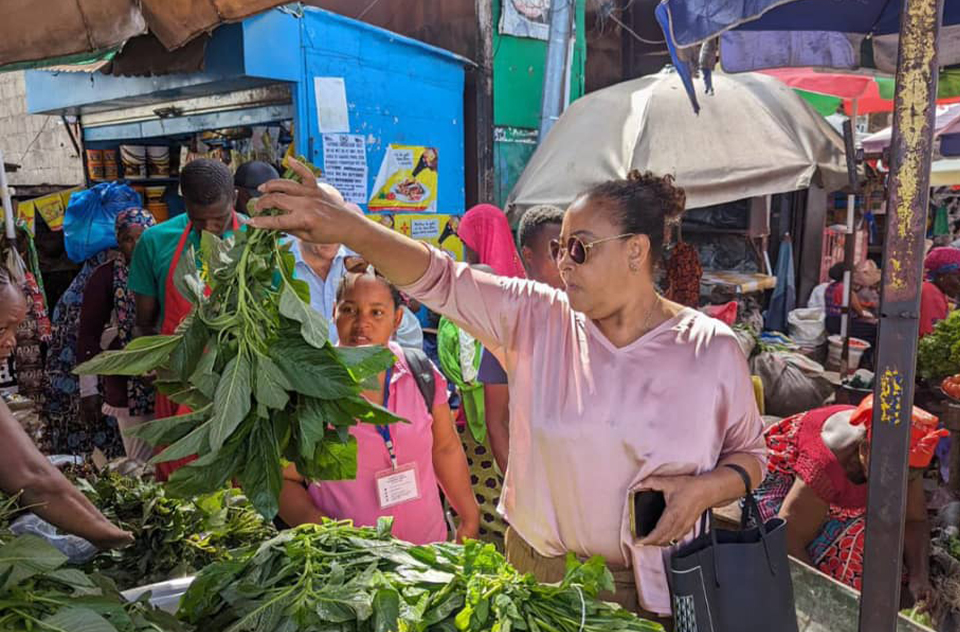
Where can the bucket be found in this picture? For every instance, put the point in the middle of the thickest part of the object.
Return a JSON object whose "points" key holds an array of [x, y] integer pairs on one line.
{"points": [[95, 164], [111, 169], [857, 349], [134, 159]]}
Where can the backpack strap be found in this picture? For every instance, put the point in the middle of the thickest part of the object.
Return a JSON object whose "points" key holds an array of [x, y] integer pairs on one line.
{"points": [[422, 369]]}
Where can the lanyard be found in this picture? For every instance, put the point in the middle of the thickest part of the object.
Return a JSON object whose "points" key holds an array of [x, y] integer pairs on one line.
{"points": [[385, 430]]}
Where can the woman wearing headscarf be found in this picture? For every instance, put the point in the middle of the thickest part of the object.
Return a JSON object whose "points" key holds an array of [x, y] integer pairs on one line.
{"points": [[942, 267], [61, 399], [107, 318], [487, 239], [816, 480]]}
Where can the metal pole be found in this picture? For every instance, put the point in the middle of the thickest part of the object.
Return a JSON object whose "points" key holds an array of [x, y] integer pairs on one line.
{"points": [[850, 239], [486, 188], [11, 230], [553, 74], [911, 145]]}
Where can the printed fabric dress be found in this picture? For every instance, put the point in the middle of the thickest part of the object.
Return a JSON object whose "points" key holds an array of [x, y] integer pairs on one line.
{"points": [[796, 449], [65, 431], [33, 336]]}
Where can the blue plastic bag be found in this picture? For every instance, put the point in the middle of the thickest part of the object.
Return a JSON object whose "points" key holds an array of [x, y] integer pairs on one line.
{"points": [[88, 224]]}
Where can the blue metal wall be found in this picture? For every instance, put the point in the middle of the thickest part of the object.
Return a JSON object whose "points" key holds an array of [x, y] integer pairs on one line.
{"points": [[398, 90]]}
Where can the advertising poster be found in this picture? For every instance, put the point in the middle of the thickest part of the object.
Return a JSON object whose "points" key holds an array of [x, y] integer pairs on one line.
{"points": [[49, 207], [407, 180], [526, 18], [436, 230], [345, 165]]}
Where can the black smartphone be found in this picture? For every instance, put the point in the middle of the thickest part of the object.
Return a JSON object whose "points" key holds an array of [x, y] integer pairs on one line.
{"points": [[645, 512]]}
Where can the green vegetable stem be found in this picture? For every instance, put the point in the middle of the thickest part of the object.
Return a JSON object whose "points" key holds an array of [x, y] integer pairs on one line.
{"points": [[253, 364]]}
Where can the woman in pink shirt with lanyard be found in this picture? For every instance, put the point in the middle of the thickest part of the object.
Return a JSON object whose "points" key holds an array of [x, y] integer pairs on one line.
{"points": [[612, 388], [399, 467]]}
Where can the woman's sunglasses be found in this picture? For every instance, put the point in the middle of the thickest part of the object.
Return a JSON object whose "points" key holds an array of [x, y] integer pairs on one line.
{"points": [[578, 250]]}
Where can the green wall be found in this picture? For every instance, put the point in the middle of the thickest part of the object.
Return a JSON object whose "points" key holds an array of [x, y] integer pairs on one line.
{"points": [[518, 65]]}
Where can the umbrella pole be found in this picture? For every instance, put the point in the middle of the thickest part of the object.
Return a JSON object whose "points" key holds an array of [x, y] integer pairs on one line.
{"points": [[10, 229], [911, 145], [850, 240]]}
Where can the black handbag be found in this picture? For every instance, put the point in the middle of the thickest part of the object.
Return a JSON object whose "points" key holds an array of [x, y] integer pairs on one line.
{"points": [[734, 581]]}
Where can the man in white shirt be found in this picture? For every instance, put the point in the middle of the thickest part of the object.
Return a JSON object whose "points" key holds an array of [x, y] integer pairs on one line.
{"points": [[322, 267]]}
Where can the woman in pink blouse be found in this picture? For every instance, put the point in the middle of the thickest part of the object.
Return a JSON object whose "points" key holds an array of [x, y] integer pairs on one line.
{"points": [[612, 388], [400, 468]]}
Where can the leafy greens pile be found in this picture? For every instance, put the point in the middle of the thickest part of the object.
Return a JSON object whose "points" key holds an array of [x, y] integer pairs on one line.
{"points": [[335, 576], [938, 354], [38, 592], [173, 537], [253, 363]]}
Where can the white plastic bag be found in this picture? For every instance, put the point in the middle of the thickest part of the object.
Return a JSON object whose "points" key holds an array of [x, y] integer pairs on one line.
{"points": [[808, 326], [75, 548]]}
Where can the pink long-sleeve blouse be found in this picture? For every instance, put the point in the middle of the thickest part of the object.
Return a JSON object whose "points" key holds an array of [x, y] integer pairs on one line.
{"points": [[589, 421]]}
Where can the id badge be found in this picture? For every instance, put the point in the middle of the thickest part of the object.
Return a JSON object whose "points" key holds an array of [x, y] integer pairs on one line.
{"points": [[397, 486]]}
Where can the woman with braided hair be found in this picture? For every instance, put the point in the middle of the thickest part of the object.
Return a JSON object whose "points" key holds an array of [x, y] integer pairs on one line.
{"points": [[612, 387]]}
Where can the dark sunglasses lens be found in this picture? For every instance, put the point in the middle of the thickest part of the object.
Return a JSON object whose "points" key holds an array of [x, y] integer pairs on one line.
{"points": [[554, 249], [578, 253]]}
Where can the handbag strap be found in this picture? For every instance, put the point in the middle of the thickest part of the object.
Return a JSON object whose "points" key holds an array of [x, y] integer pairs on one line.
{"points": [[749, 502], [751, 507]]}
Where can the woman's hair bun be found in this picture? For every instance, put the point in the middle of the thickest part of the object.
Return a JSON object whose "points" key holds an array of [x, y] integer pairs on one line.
{"points": [[643, 204], [673, 199]]}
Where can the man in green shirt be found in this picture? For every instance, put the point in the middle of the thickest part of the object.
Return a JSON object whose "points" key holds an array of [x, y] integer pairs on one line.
{"points": [[207, 188], [209, 195]]}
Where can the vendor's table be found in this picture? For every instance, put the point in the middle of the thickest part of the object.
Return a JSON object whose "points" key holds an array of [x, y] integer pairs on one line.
{"points": [[741, 282]]}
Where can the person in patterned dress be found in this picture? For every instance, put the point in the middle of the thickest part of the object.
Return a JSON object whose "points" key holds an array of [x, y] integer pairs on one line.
{"points": [[107, 319], [816, 480]]}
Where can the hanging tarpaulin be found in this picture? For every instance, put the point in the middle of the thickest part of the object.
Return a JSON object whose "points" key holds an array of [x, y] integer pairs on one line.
{"points": [[407, 180], [526, 18], [66, 32], [85, 62]]}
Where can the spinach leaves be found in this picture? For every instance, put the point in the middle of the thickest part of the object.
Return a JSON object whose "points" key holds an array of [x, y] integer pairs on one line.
{"points": [[335, 576], [254, 365], [39, 592], [172, 537]]}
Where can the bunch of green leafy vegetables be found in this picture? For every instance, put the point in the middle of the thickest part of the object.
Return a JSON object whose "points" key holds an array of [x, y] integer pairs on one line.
{"points": [[938, 354], [38, 592], [337, 577], [172, 537], [255, 367]]}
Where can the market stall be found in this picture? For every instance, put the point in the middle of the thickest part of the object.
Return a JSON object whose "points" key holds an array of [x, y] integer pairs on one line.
{"points": [[308, 83]]}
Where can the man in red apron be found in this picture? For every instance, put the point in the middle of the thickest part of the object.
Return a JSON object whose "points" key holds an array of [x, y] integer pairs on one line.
{"points": [[208, 192]]}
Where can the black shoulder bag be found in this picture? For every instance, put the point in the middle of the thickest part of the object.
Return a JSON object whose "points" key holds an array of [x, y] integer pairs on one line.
{"points": [[734, 581]]}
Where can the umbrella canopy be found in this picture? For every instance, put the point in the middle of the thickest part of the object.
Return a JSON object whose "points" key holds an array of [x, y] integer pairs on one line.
{"points": [[797, 33], [64, 32], [948, 122], [870, 93], [945, 173], [757, 138]]}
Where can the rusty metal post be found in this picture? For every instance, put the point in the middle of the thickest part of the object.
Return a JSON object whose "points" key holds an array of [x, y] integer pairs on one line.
{"points": [[914, 110]]}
